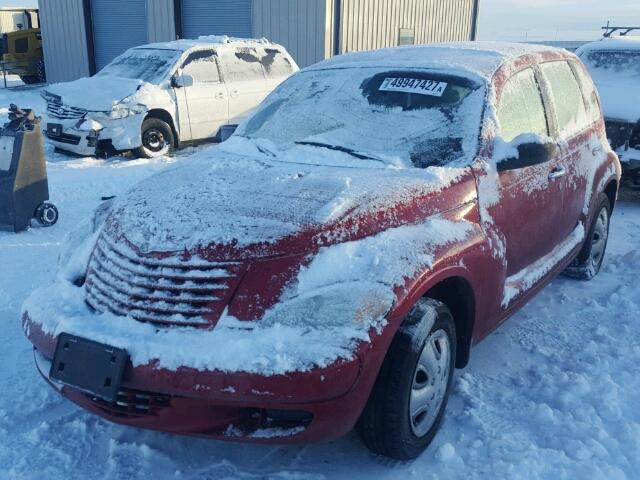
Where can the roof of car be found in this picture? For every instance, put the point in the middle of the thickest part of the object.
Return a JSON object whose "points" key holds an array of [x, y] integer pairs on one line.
{"points": [[216, 40], [616, 43], [481, 59]]}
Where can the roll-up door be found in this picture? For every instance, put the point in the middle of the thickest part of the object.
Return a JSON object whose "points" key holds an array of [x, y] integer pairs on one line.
{"points": [[216, 17], [117, 26]]}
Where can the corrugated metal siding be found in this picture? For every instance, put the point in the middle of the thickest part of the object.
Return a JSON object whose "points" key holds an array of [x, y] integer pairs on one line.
{"points": [[64, 40], [299, 25], [371, 24], [161, 25], [216, 17], [117, 26]]}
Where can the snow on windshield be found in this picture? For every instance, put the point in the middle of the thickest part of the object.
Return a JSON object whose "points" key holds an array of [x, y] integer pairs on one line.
{"points": [[614, 62], [149, 65], [406, 118]]}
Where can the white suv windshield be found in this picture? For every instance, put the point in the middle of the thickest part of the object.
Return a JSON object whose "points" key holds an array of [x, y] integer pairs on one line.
{"points": [[614, 62], [410, 118], [147, 64]]}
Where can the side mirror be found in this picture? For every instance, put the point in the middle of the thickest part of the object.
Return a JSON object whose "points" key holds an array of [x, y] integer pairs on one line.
{"points": [[181, 81], [529, 154]]}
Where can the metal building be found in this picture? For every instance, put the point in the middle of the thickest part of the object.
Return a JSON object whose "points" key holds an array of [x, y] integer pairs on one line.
{"points": [[82, 36]]}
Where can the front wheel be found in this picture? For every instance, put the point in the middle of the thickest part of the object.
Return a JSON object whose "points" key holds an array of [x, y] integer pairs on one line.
{"points": [[589, 261], [407, 404], [157, 139]]}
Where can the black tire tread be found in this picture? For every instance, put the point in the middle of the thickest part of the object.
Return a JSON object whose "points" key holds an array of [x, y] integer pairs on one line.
{"points": [[382, 425]]}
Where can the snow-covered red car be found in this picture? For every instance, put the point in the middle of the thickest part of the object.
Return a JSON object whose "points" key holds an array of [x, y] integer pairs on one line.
{"points": [[333, 262], [614, 65], [159, 96]]}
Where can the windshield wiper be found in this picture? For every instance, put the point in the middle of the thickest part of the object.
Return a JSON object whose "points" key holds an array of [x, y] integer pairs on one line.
{"points": [[339, 148]]}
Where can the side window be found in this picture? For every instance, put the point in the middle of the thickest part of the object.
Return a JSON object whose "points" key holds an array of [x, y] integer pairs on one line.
{"points": [[567, 98], [22, 45], [276, 64], [521, 109], [243, 64], [591, 97], [202, 66]]}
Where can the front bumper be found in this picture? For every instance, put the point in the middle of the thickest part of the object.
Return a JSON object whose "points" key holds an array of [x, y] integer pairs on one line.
{"points": [[320, 404], [119, 134]]}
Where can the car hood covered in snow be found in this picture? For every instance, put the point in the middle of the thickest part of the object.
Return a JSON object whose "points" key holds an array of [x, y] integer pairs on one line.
{"points": [[224, 204], [97, 93]]}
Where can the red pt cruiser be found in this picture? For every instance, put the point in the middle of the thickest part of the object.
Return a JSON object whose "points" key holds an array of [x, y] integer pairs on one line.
{"points": [[334, 261]]}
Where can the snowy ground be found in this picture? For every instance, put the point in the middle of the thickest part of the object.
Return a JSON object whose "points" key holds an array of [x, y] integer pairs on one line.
{"points": [[554, 393]]}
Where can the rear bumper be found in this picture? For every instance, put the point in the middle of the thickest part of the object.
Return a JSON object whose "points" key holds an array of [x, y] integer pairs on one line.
{"points": [[320, 404]]}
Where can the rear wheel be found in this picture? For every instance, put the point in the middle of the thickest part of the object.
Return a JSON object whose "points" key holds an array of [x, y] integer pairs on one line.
{"points": [[157, 139], [407, 404], [589, 261]]}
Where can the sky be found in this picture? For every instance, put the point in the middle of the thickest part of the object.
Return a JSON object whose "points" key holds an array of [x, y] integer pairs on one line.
{"points": [[533, 20], [539, 20]]}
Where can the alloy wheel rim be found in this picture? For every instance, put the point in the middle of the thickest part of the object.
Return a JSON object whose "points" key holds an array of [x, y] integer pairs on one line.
{"points": [[599, 239], [430, 380]]}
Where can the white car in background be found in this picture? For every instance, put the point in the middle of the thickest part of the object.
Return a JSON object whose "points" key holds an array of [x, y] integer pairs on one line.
{"points": [[614, 65], [156, 97]]}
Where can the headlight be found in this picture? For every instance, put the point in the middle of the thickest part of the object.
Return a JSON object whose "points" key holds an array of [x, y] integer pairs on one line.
{"points": [[101, 213], [125, 110], [356, 306]]}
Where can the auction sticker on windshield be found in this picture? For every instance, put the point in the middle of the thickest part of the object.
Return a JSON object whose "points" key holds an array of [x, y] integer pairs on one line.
{"points": [[413, 85]]}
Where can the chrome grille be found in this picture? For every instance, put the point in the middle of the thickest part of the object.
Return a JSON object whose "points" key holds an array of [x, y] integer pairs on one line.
{"points": [[164, 291], [64, 112]]}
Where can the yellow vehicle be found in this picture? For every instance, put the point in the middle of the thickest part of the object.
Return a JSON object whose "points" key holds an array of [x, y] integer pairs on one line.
{"points": [[22, 55]]}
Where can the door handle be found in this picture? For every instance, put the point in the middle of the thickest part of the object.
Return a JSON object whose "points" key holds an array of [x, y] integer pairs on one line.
{"points": [[235, 93], [219, 96], [557, 173]]}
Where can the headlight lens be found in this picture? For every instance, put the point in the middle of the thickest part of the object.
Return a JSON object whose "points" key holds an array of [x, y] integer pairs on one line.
{"points": [[125, 110], [353, 305]]}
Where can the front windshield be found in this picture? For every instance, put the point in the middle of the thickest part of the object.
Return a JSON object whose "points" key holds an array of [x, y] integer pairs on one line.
{"points": [[406, 118], [618, 62], [147, 64]]}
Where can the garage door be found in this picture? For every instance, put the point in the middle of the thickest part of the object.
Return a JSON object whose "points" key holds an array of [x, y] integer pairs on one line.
{"points": [[117, 26], [216, 17]]}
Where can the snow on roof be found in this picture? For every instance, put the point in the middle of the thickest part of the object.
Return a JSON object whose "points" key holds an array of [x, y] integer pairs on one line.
{"points": [[477, 58], [186, 44], [616, 43]]}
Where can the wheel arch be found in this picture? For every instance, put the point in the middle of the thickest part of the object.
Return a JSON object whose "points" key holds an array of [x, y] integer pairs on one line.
{"points": [[165, 116], [457, 294], [611, 191]]}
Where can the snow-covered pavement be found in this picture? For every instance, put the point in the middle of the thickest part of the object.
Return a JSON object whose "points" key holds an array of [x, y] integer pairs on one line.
{"points": [[554, 393]]}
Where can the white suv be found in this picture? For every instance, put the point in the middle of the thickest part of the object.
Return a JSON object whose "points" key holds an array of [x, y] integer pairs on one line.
{"points": [[156, 97]]}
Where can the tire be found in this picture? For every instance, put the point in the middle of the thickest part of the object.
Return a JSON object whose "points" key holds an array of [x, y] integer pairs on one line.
{"points": [[157, 139], [589, 261], [397, 421], [46, 214]]}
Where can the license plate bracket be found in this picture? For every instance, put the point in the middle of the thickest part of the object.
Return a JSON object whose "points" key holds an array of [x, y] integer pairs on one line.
{"points": [[89, 366], [54, 129]]}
